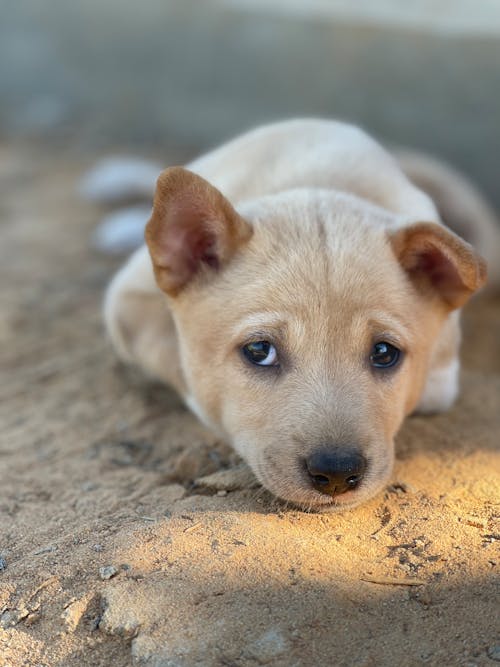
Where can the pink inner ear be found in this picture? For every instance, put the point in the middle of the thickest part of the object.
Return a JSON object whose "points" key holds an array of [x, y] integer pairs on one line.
{"points": [[435, 257], [438, 260], [204, 249], [185, 247], [439, 270], [431, 265]]}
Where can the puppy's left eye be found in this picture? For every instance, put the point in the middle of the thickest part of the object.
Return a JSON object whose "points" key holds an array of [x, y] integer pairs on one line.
{"points": [[384, 355], [261, 353]]}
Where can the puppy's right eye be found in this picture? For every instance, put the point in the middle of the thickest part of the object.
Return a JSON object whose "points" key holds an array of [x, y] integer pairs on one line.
{"points": [[384, 355], [261, 353]]}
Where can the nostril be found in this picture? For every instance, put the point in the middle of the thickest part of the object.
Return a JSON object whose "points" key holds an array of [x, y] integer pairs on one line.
{"points": [[335, 470], [353, 481], [320, 479]]}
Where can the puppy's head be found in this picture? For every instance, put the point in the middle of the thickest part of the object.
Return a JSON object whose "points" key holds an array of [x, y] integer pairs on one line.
{"points": [[306, 321]]}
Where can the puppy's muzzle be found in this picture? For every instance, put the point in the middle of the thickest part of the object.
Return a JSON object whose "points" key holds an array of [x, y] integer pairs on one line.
{"points": [[333, 471]]}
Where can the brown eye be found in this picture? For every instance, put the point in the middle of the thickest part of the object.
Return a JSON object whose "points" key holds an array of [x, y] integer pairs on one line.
{"points": [[384, 355], [261, 353]]}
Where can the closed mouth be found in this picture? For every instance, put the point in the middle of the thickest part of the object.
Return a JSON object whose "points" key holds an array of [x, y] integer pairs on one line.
{"points": [[296, 491]]}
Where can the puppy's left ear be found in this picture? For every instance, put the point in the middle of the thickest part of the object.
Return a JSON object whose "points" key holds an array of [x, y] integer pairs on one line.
{"points": [[439, 261], [193, 231]]}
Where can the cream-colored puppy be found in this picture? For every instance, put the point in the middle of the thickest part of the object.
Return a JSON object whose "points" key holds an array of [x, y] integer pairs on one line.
{"points": [[302, 295]]}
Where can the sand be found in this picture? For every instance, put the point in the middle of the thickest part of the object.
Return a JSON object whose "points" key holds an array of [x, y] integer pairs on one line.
{"points": [[130, 536]]}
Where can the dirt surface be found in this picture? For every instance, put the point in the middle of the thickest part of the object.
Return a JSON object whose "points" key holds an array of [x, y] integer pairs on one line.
{"points": [[129, 535]]}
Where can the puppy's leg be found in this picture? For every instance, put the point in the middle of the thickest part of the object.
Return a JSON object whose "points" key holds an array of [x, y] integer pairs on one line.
{"points": [[461, 206], [139, 322], [442, 384]]}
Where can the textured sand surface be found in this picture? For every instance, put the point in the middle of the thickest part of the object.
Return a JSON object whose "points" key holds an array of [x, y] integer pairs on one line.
{"points": [[131, 536]]}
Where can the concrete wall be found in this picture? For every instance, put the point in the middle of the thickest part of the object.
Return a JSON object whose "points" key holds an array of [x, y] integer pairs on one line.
{"points": [[191, 72]]}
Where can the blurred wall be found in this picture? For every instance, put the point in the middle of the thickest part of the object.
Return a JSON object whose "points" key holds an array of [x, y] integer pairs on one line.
{"points": [[188, 73]]}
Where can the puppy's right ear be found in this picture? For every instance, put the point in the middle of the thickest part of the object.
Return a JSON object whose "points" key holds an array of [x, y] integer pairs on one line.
{"points": [[193, 228], [439, 262]]}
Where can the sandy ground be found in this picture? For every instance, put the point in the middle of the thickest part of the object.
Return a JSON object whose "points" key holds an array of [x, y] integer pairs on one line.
{"points": [[101, 469]]}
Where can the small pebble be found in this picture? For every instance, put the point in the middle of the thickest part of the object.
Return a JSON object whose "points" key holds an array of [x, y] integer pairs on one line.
{"points": [[107, 572], [268, 647], [45, 550], [494, 652], [3, 564], [98, 547], [32, 618], [89, 486], [8, 619], [222, 493]]}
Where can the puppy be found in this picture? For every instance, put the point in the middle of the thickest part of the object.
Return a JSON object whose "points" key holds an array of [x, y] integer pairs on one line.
{"points": [[302, 295]]}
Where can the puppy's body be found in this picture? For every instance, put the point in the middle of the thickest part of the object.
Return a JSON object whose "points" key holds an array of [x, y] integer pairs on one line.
{"points": [[331, 249]]}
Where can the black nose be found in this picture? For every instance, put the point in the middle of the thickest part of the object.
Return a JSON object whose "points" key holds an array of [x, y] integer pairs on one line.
{"points": [[335, 470]]}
